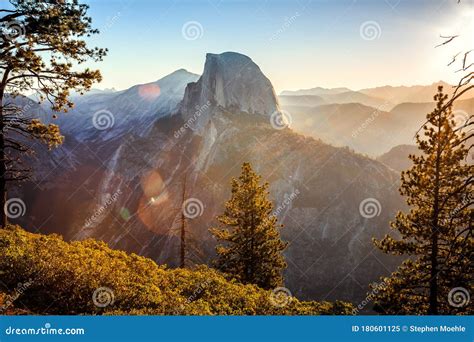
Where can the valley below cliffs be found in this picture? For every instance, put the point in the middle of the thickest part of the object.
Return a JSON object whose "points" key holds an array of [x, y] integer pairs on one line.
{"points": [[124, 183]]}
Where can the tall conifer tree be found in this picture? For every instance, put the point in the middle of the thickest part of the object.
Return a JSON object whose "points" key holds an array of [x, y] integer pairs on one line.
{"points": [[437, 232], [42, 50], [252, 247]]}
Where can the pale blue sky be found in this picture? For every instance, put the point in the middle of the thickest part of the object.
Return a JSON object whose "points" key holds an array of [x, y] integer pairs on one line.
{"points": [[297, 44]]}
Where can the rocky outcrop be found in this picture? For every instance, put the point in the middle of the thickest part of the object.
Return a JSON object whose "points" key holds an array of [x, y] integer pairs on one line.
{"points": [[231, 81]]}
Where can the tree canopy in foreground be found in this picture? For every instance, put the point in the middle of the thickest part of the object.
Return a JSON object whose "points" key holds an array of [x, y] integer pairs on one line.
{"points": [[87, 277]]}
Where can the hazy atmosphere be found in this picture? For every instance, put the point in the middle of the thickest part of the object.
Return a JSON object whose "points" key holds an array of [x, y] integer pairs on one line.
{"points": [[298, 44], [237, 158]]}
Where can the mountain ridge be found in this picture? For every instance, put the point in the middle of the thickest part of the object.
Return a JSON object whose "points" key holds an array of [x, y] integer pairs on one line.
{"points": [[393, 95]]}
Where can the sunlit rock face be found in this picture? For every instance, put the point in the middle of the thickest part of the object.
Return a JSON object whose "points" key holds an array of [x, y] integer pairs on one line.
{"points": [[232, 81], [128, 190]]}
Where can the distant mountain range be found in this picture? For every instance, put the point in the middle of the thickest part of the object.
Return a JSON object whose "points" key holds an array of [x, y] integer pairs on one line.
{"points": [[137, 106], [416, 93], [119, 176], [387, 95], [318, 91], [342, 98], [371, 130]]}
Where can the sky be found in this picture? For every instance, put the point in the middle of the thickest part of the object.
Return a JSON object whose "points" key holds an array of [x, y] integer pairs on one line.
{"points": [[298, 44]]}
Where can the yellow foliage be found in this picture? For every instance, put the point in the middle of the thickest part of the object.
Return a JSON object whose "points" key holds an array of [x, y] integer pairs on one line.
{"points": [[63, 277], [48, 134]]}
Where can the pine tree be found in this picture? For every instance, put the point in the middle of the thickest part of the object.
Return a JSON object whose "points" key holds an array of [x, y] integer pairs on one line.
{"points": [[182, 231], [252, 247], [437, 232], [42, 49]]}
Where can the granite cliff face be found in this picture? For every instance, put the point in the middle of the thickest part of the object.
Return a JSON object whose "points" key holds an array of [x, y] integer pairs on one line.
{"points": [[232, 81], [127, 191]]}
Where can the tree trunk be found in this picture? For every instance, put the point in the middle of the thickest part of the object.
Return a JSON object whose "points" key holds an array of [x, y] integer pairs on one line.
{"points": [[433, 297], [3, 185], [182, 256], [251, 261], [3, 166], [433, 308]]}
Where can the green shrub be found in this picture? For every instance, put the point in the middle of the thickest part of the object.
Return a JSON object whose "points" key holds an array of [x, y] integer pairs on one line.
{"points": [[63, 277]]}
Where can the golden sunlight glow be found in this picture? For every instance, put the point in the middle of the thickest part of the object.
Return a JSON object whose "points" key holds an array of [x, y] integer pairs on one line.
{"points": [[151, 204], [152, 184]]}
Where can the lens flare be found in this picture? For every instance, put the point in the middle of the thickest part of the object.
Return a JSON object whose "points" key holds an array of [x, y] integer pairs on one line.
{"points": [[149, 92]]}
